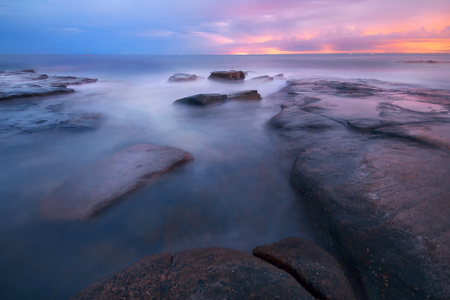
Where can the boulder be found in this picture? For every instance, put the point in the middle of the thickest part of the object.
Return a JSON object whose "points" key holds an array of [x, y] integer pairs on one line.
{"points": [[97, 187], [231, 75], [207, 273], [313, 267], [26, 83], [202, 99], [245, 95], [182, 77]]}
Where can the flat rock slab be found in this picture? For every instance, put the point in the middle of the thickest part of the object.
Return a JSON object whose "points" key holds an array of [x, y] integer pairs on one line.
{"points": [[231, 75], [212, 99], [208, 273], [373, 167], [182, 77], [313, 267], [24, 84], [95, 188]]}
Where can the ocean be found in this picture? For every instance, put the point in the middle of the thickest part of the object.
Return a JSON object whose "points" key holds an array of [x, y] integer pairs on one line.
{"points": [[235, 194]]}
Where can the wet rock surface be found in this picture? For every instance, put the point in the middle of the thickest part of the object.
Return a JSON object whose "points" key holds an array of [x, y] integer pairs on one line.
{"points": [[202, 99], [207, 273], [20, 117], [182, 77], [212, 99], [373, 166], [25, 84], [245, 95], [95, 188], [313, 267], [263, 78], [231, 75]]}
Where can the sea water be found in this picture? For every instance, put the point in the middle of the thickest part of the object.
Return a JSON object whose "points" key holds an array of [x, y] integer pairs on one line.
{"points": [[235, 193]]}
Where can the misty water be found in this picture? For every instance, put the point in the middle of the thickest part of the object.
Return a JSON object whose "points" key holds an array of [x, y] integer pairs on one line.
{"points": [[235, 193]]}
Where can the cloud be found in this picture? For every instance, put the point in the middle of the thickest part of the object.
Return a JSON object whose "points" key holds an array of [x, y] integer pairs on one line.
{"points": [[227, 26], [156, 33]]}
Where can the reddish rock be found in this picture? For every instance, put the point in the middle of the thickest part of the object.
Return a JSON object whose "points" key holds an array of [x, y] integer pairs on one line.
{"points": [[227, 75], [97, 187], [313, 267], [208, 273], [245, 95]]}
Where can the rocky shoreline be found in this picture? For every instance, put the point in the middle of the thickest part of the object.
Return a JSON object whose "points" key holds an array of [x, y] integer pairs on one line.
{"points": [[371, 162]]}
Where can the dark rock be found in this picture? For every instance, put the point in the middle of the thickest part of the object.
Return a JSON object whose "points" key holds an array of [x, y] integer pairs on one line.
{"points": [[245, 95], [279, 76], [182, 77], [208, 273], [227, 75], [202, 99], [313, 267], [263, 78], [23, 84], [97, 187]]}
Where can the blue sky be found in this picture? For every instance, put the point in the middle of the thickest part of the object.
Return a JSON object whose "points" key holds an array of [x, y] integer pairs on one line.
{"points": [[223, 26]]}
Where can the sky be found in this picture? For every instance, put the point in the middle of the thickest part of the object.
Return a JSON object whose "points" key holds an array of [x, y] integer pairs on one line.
{"points": [[224, 26]]}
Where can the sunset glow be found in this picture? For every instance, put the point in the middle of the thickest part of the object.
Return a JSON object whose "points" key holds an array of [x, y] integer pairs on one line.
{"points": [[225, 27]]}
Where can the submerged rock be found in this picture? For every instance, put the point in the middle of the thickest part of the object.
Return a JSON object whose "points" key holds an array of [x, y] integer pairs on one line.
{"points": [[202, 99], [245, 95], [227, 75], [99, 186], [25, 117], [263, 78], [24, 84], [182, 77], [208, 273], [373, 171], [313, 267]]}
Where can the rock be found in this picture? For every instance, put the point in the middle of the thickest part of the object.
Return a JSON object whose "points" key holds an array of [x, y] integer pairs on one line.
{"points": [[99, 186], [279, 76], [263, 78], [384, 204], [208, 273], [182, 77], [373, 171], [27, 83], [227, 75], [24, 117], [143, 280], [202, 99], [245, 95], [313, 267]]}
